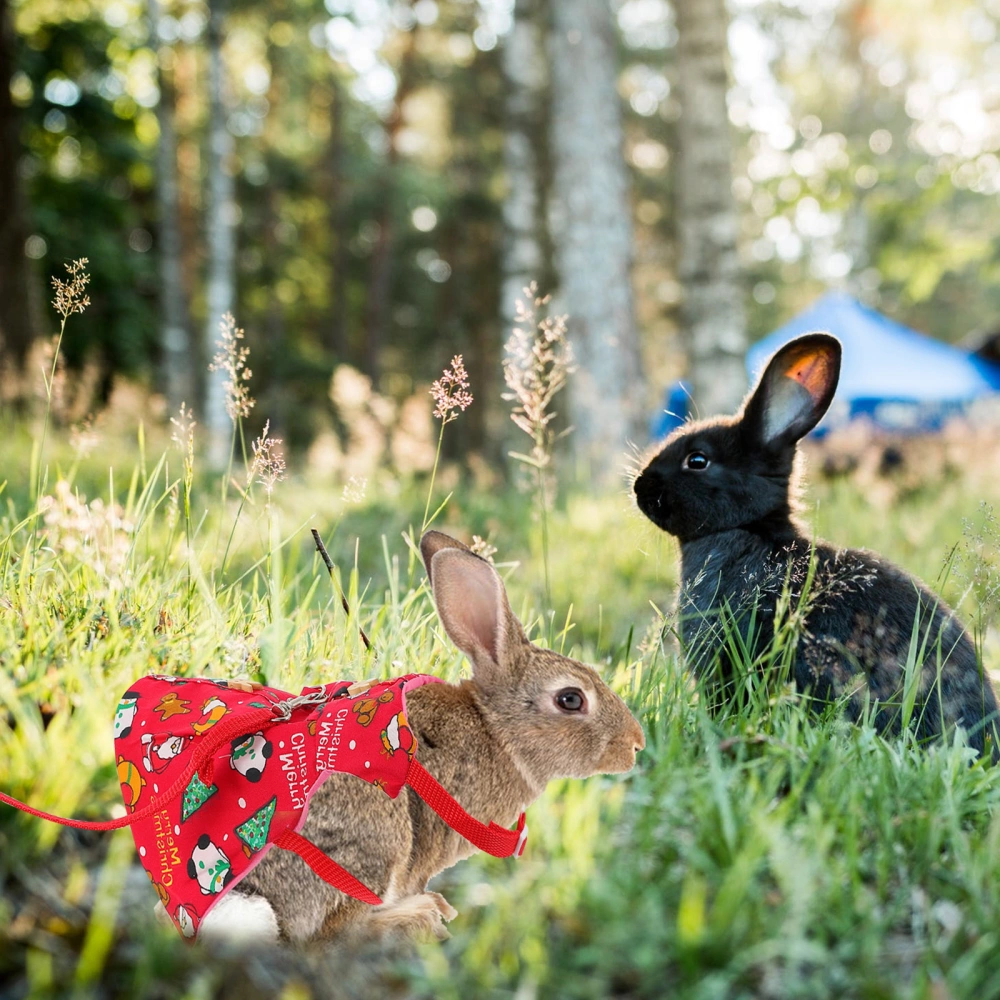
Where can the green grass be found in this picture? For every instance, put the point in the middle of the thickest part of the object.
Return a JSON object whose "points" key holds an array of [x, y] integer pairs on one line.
{"points": [[765, 853]]}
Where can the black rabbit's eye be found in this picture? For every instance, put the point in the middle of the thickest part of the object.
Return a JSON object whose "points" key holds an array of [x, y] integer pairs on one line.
{"points": [[697, 461], [571, 700]]}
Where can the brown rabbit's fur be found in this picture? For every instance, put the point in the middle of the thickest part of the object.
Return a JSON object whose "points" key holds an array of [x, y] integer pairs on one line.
{"points": [[493, 742]]}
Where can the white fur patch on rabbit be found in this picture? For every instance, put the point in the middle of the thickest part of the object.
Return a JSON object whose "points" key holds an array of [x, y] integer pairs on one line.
{"points": [[240, 919]]}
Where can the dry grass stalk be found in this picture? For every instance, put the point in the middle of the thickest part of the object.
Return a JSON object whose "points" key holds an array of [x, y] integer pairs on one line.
{"points": [[537, 366], [451, 391], [70, 293], [451, 397], [268, 465], [231, 358]]}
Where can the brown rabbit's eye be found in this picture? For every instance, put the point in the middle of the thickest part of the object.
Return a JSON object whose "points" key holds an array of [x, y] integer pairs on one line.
{"points": [[697, 461], [571, 700]]}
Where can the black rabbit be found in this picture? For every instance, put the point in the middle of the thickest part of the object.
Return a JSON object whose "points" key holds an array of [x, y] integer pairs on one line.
{"points": [[725, 488]]}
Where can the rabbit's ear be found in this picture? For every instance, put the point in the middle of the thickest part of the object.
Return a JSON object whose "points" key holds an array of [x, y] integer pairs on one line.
{"points": [[795, 391], [472, 604], [433, 542]]}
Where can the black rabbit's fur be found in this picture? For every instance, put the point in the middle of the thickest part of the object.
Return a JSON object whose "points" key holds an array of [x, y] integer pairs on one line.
{"points": [[741, 547]]}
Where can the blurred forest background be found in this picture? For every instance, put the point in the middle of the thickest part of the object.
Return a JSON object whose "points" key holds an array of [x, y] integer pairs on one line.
{"points": [[371, 182], [366, 186]]}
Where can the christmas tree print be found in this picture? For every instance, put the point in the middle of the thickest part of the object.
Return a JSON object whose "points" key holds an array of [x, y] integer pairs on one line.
{"points": [[254, 831], [196, 795]]}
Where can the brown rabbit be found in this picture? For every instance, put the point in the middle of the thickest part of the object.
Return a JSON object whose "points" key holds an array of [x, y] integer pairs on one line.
{"points": [[528, 715]]}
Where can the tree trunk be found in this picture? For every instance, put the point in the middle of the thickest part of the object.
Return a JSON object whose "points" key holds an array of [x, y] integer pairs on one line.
{"points": [[337, 329], [220, 237], [276, 349], [175, 337], [18, 296], [525, 66], [857, 20], [714, 321], [592, 232], [380, 280]]}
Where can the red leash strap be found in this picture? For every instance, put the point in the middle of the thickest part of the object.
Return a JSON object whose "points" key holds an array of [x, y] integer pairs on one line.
{"points": [[201, 761], [493, 839], [325, 867]]}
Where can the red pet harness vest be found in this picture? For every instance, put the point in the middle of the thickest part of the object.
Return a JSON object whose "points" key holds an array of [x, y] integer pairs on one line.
{"points": [[215, 773]]}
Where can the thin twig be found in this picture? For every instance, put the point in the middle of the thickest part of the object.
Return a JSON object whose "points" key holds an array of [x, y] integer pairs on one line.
{"points": [[321, 549]]}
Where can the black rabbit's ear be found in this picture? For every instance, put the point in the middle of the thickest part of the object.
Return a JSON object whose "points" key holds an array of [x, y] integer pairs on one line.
{"points": [[795, 391]]}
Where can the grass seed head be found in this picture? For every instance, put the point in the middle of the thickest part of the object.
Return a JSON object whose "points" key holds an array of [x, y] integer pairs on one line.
{"points": [[70, 293], [451, 391], [537, 366], [231, 358], [183, 428], [268, 465]]}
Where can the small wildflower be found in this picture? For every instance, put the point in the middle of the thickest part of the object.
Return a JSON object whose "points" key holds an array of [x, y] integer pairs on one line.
{"points": [[451, 391], [354, 489], [483, 549], [70, 294], [268, 465], [231, 358], [96, 533]]}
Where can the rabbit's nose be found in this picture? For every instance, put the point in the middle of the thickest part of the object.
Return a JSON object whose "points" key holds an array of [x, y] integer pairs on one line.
{"points": [[638, 738]]}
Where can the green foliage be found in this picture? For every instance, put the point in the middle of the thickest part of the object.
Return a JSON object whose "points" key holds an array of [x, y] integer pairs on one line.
{"points": [[87, 147]]}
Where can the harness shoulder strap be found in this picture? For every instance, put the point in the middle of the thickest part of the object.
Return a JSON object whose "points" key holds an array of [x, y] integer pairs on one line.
{"points": [[325, 867], [493, 839]]}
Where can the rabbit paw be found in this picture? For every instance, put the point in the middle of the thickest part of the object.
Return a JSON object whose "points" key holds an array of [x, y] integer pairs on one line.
{"points": [[448, 912], [423, 915]]}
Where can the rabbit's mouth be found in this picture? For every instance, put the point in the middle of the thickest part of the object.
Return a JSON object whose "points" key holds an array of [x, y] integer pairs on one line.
{"points": [[649, 496], [618, 760], [619, 756]]}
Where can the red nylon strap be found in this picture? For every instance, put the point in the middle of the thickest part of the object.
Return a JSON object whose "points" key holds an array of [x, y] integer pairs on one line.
{"points": [[325, 867], [201, 761], [493, 839]]}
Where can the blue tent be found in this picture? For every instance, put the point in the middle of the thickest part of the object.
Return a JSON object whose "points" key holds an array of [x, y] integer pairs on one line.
{"points": [[677, 407], [898, 378]]}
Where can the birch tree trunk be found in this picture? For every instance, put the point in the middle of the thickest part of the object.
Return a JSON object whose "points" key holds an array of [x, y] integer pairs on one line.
{"points": [[714, 320], [335, 160], [592, 233], [175, 338], [525, 66], [380, 274], [220, 236]]}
